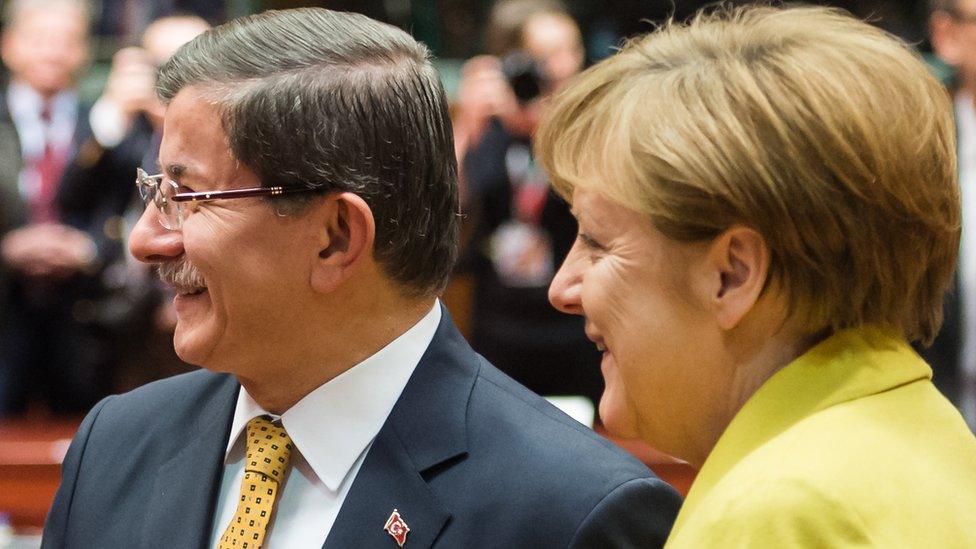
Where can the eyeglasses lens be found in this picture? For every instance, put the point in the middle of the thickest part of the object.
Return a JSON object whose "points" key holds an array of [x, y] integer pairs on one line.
{"points": [[169, 211], [159, 191]]}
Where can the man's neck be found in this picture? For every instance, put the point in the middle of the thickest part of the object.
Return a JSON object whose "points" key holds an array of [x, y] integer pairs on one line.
{"points": [[342, 345]]}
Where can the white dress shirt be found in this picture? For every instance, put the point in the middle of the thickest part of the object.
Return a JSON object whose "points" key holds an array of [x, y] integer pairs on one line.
{"points": [[25, 106], [966, 131], [332, 429]]}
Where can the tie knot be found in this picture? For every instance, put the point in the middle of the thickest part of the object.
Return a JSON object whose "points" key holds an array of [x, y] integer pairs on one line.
{"points": [[268, 448]]}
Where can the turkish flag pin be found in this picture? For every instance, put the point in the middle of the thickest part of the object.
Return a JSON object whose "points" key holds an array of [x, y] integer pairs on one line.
{"points": [[396, 527]]}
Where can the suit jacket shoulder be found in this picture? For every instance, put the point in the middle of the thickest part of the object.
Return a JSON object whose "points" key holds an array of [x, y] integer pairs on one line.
{"points": [[144, 466], [480, 461], [572, 487]]}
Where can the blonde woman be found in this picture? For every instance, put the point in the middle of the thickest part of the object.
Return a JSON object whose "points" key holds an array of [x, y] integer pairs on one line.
{"points": [[768, 216]]}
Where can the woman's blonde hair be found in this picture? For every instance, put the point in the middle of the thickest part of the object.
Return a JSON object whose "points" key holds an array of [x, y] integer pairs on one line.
{"points": [[823, 133]]}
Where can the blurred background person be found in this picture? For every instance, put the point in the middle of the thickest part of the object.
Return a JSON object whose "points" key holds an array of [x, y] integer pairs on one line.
{"points": [[78, 309], [518, 229], [552, 39], [47, 263], [126, 121], [125, 21], [953, 354], [760, 239]]}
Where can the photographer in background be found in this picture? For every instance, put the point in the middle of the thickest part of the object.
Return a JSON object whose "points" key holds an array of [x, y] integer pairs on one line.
{"points": [[519, 230], [540, 28]]}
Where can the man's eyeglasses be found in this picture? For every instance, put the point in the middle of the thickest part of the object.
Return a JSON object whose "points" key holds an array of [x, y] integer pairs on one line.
{"points": [[170, 203]]}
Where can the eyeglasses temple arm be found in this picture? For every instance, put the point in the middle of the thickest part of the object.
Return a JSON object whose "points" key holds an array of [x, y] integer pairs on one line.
{"points": [[236, 193]]}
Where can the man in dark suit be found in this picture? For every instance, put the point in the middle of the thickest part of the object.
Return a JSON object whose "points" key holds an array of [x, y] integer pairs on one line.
{"points": [[307, 219], [47, 264]]}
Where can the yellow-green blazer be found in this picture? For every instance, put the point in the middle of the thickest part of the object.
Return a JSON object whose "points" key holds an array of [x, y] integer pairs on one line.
{"points": [[849, 445]]}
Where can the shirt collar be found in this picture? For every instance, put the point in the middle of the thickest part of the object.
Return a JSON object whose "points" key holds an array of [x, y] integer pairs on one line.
{"points": [[965, 124], [334, 424], [848, 365], [25, 106], [25, 102]]}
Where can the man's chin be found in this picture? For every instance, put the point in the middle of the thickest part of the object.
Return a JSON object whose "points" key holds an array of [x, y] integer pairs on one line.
{"points": [[190, 345]]}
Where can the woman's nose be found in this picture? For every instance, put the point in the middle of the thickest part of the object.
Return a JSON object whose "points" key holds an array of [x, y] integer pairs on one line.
{"points": [[564, 291], [150, 242]]}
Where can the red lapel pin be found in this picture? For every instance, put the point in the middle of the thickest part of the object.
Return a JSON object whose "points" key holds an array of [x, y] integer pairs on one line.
{"points": [[397, 528]]}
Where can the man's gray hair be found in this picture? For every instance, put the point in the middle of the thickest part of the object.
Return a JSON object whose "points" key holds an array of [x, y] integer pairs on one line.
{"points": [[338, 102]]}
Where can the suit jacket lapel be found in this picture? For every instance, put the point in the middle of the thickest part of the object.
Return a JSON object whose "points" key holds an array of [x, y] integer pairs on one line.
{"points": [[426, 428], [184, 494], [387, 481], [12, 210]]}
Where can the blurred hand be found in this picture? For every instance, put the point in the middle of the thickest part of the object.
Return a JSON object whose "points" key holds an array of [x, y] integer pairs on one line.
{"points": [[130, 85], [48, 250], [483, 93], [483, 90]]}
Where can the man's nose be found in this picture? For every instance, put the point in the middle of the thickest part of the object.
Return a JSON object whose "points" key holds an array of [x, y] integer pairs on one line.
{"points": [[564, 292], [150, 242]]}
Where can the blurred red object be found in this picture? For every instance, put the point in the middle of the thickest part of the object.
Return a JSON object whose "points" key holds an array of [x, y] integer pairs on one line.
{"points": [[31, 451]]}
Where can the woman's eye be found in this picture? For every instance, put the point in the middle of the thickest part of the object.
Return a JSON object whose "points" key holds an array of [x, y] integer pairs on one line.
{"points": [[589, 242], [595, 249]]}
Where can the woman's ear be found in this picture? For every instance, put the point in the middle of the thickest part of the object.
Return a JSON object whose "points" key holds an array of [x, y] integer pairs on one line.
{"points": [[736, 266], [347, 237]]}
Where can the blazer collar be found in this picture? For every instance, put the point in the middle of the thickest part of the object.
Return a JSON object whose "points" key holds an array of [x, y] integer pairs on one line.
{"points": [[184, 495], [849, 365], [426, 428]]}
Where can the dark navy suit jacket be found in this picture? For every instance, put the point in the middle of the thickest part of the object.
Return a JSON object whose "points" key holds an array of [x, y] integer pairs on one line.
{"points": [[468, 456]]}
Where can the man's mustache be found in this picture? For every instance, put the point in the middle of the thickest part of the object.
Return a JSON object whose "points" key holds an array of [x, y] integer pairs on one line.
{"points": [[181, 275]]}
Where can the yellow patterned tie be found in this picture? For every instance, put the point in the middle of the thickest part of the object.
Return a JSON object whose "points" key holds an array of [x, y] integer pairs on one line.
{"points": [[268, 452]]}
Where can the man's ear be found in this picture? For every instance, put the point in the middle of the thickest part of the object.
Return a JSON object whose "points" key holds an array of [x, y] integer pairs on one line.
{"points": [[735, 269], [346, 240]]}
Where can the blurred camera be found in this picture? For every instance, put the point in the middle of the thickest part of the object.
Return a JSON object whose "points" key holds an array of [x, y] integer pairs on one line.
{"points": [[524, 76]]}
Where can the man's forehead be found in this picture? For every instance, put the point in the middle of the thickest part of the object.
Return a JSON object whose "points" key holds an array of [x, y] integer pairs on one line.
{"points": [[194, 143]]}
